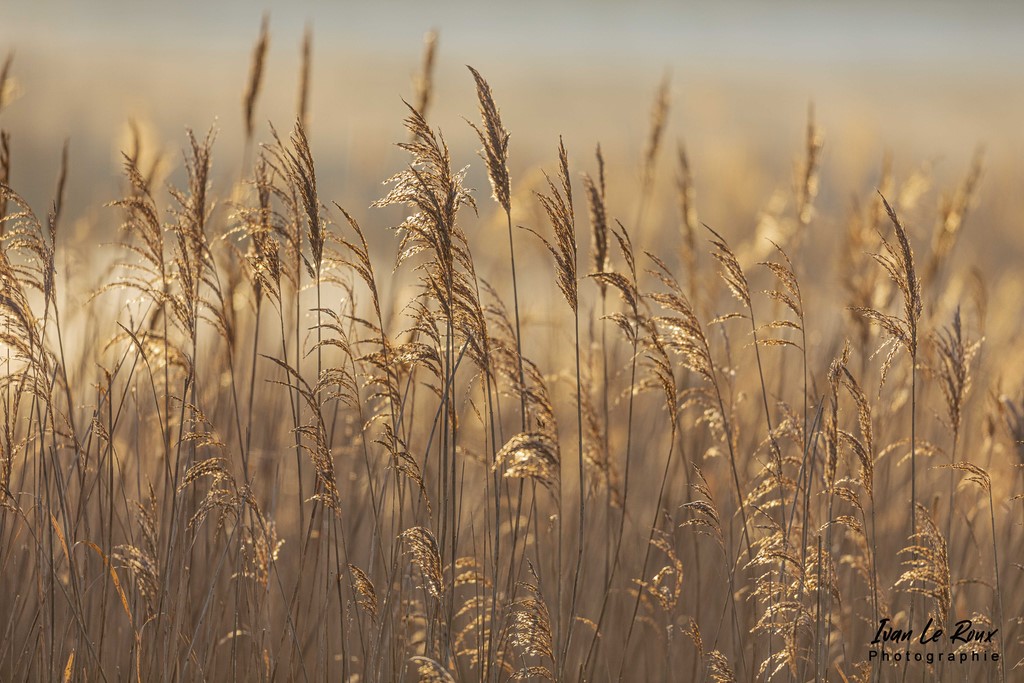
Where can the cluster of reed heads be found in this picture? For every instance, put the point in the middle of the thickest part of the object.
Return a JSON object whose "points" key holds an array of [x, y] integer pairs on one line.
{"points": [[281, 457]]}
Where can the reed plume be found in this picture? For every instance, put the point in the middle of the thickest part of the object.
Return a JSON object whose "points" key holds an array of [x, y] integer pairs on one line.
{"points": [[425, 79], [6, 81], [252, 91], [305, 76]]}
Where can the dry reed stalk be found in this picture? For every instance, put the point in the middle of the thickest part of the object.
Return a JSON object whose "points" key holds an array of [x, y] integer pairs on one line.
{"points": [[718, 668], [532, 455], [927, 569], [301, 172], [865, 287], [734, 277], [252, 90], [662, 380], [494, 138], [6, 81], [955, 354], [531, 631], [898, 262], [658, 121], [559, 209], [305, 76], [864, 449], [807, 172], [983, 479], [684, 336], [630, 324], [598, 213], [5, 177], [558, 206], [436, 193], [431, 671], [689, 221], [595, 192], [425, 80], [953, 213]]}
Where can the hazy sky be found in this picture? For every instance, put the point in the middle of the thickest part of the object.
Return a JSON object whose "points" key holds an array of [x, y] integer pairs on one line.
{"points": [[989, 32], [925, 79]]}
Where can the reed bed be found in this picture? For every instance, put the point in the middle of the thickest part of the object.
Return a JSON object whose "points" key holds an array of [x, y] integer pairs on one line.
{"points": [[267, 450]]}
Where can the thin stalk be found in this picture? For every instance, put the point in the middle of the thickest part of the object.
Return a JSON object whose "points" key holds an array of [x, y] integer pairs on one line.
{"points": [[582, 496], [999, 592], [647, 553], [622, 520]]}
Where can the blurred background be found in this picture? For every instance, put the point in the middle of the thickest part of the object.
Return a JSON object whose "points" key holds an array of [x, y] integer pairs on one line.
{"points": [[928, 83]]}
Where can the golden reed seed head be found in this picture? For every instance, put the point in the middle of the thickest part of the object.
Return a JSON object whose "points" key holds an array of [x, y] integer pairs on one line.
{"points": [[494, 138]]}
